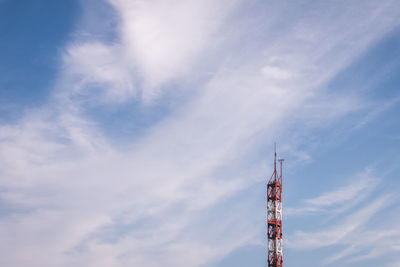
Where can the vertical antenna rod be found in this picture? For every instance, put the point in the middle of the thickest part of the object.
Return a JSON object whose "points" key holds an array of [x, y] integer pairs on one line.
{"points": [[274, 216]]}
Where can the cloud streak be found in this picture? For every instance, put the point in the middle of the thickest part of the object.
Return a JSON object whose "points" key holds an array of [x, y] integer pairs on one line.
{"points": [[351, 218], [339, 233], [341, 199]]}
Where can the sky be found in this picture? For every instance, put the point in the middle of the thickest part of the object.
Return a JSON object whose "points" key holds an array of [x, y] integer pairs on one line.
{"points": [[141, 133]]}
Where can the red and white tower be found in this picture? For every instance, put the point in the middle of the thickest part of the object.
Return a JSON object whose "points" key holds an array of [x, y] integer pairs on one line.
{"points": [[274, 217]]}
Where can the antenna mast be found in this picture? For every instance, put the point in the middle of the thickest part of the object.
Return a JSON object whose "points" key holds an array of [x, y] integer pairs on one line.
{"points": [[274, 216]]}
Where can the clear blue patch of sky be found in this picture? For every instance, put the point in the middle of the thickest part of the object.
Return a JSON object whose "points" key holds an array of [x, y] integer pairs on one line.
{"points": [[125, 122], [32, 34]]}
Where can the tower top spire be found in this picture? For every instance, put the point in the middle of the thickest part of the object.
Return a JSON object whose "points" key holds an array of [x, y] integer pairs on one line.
{"points": [[275, 172]]}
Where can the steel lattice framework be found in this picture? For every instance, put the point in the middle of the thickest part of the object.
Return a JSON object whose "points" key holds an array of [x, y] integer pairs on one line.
{"points": [[274, 217]]}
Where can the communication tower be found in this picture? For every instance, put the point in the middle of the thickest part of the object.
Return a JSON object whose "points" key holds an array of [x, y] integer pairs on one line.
{"points": [[274, 217]]}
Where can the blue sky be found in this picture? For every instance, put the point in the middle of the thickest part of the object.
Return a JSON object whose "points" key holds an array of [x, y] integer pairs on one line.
{"points": [[140, 133]]}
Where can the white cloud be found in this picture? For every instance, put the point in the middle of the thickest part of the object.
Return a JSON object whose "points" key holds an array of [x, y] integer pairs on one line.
{"points": [[341, 231], [101, 66], [164, 38], [360, 187], [351, 231], [159, 41], [367, 245], [277, 73]]}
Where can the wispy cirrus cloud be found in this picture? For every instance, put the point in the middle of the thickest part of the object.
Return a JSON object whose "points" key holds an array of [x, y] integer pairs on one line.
{"points": [[352, 210], [341, 231], [360, 187]]}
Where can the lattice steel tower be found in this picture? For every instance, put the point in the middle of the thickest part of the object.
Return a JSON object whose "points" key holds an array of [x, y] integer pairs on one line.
{"points": [[274, 217]]}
